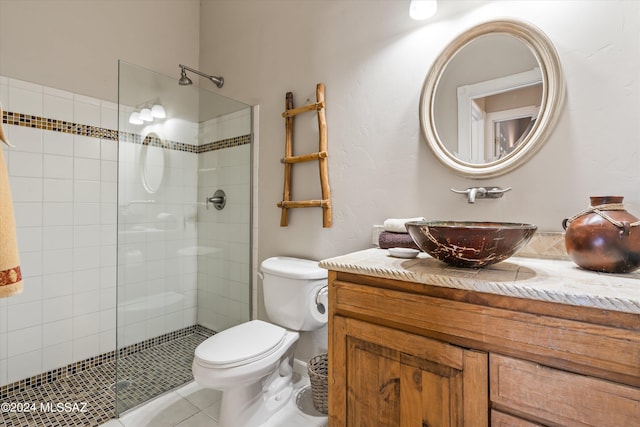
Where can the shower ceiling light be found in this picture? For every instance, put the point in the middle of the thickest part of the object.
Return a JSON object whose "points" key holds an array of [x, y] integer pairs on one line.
{"points": [[422, 9], [145, 114], [135, 119], [158, 111]]}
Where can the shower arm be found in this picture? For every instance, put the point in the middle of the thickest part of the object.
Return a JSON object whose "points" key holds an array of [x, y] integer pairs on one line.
{"points": [[218, 81]]}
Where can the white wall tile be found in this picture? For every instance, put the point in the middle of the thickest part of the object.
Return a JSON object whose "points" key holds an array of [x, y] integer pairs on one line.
{"points": [[57, 190], [26, 189], [86, 113], [86, 280], [29, 238], [24, 365], [108, 340], [109, 115], [3, 371], [58, 107], [25, 164], [86, 303], [26, 100], [57, 332], [86, 324], [57, 214], [84, 146], [57, 356], [86, 169], [86, 191], [31, 265], [109, 171], [58, 166], [57, 285], [108, 192], [86, 258], [24, 340], [57, 309], [58, 143], [57, 261], [25, 315], [26, 139], [3, 347], [109, 149], [86, 347], [57, 237], [28, 214], [86, 213]]}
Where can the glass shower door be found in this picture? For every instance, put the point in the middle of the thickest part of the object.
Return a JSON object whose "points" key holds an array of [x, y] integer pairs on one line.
{"points": [[183, 265]]}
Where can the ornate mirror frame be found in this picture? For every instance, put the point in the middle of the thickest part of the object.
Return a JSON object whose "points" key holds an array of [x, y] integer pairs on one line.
{"points": [[552, 97]]}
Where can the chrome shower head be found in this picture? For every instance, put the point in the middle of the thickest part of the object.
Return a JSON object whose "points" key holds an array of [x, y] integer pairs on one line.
{"points": [[184, 80]]}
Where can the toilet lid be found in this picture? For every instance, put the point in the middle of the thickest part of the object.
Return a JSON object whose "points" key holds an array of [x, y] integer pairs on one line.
{"points": [[240, 344]]}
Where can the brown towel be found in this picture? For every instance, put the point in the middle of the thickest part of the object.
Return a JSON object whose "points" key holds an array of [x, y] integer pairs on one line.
{"points": [[10, 275], [388, 239]]}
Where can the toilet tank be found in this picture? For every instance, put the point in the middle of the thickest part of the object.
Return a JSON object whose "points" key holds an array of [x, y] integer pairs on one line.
{"points": [[290, 286]]}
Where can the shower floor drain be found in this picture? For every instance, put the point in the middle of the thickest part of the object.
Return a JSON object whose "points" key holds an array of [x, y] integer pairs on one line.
{"points": [[120, 385]]}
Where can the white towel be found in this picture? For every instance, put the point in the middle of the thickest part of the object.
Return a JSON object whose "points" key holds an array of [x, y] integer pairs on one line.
{"points": [[396, 225]]}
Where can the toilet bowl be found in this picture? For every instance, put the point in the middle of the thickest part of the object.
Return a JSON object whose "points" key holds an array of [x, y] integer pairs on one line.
{"points": [[252, 363]]}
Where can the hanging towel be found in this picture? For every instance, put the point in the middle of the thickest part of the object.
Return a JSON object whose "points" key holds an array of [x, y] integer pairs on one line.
{"points": [[396, 225], [10, 275]]}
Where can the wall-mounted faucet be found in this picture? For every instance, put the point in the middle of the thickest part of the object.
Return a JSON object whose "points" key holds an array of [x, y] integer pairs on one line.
{"points": [[218, 200], [474, 193]]}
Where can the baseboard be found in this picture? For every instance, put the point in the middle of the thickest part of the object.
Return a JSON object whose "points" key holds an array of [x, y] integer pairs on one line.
{"points": [[300, 367]]}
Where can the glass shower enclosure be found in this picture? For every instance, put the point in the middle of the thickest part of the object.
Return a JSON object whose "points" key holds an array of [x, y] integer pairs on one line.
{"points": [[184, 262]]}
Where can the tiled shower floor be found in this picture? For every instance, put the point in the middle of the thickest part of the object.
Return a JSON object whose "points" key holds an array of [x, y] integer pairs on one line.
{"points": [[87, 399]]}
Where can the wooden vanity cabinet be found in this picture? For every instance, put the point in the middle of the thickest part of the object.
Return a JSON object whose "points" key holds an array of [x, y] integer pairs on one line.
{"points": [[393, 378], [409, 354]]}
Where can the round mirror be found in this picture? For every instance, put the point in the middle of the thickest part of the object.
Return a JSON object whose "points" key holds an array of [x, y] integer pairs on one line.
{"points": [[152, 162], [491, 98]]}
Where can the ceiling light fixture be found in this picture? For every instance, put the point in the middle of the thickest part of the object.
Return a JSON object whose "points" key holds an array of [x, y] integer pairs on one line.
{"points": [[135, 119], [158, 111], [422, 9], [147, 114]]}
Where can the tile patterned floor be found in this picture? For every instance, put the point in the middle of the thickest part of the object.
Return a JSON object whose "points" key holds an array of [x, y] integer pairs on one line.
{"points": [[87, 400], [193, 406]]}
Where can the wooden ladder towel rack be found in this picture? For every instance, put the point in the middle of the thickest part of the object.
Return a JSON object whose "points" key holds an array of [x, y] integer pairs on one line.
{"points": [[321, 156]]}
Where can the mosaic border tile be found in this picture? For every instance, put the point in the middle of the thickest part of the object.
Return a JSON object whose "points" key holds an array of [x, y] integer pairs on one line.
{"points": [[99, 360], [54, 125]]}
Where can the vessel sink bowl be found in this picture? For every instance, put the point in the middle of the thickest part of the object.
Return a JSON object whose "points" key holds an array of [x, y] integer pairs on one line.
{"points": [[468, 243]]}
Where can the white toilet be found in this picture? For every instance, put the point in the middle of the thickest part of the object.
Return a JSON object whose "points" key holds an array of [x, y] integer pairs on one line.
{"points": [[252, 363]]}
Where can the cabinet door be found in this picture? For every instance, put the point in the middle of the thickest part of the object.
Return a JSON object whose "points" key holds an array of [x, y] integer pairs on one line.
{"points": [[383, 377]]}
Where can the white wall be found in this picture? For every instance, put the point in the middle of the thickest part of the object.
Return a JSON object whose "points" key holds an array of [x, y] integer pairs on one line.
{"points": [[373, 60], [75, 45]]}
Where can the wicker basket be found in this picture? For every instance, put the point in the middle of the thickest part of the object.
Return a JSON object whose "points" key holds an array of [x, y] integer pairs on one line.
{"points": [[318, 368]]}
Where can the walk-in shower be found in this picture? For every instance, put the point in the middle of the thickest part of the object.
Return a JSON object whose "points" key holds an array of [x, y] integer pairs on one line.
{"points": [[183, 269], [185, 81], [126, 266]]}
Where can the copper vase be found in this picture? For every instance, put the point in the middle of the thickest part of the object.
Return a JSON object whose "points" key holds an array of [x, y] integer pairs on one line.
{"points": [[604, 237]]}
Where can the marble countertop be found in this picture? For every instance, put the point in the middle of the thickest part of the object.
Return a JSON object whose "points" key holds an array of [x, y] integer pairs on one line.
{"points": [[557, 281]]}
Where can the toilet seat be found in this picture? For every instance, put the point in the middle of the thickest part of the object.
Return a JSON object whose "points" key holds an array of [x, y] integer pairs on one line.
{"points": [[240, 345]]}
